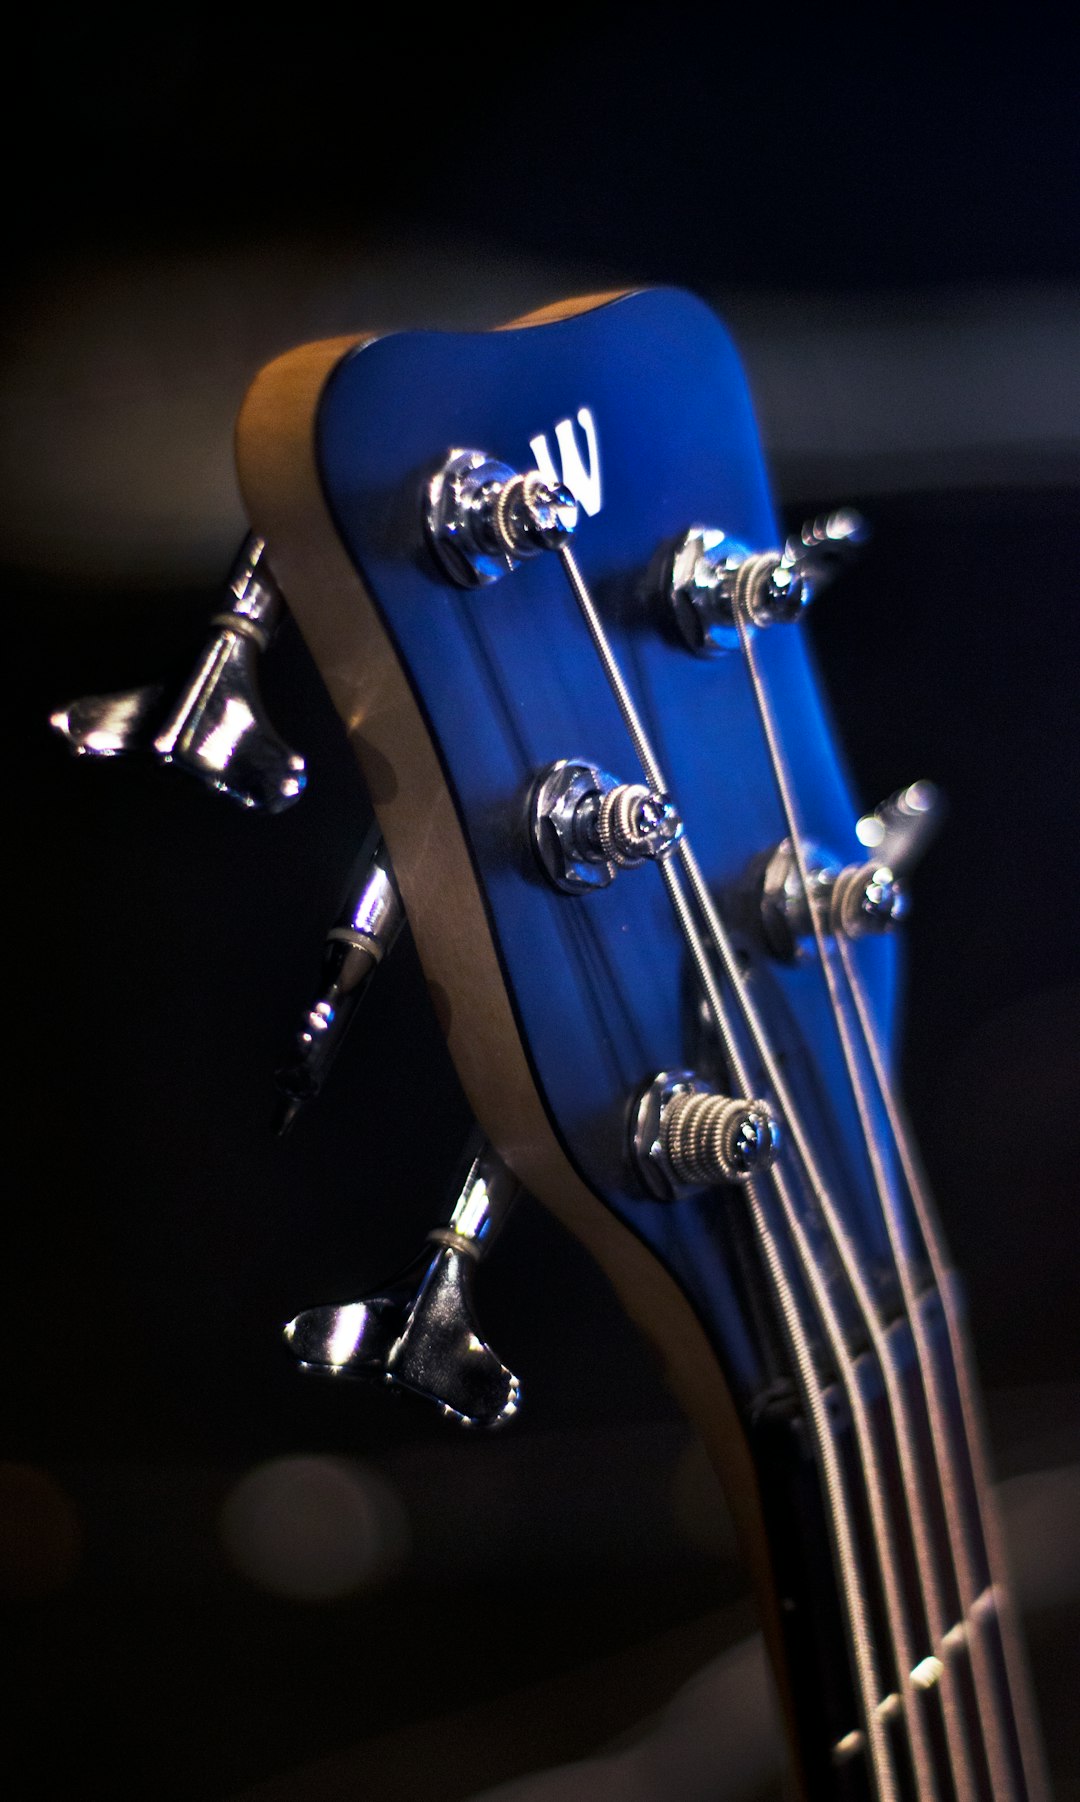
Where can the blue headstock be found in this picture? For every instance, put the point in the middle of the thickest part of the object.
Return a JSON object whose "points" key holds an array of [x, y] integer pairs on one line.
{"points": [[638, 404]]}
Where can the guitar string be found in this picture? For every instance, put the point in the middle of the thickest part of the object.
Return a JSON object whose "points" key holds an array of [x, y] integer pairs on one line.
{"points": [[944, 1646], [958, 1345], [839, 1508], [812, 1269]]}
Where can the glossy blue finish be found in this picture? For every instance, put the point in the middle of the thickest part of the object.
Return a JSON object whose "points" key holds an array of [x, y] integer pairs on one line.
{"points": [[509, 682]]}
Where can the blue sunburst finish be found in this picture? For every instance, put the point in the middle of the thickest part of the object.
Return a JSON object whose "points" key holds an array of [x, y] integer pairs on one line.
{"points": [[509, 681]]}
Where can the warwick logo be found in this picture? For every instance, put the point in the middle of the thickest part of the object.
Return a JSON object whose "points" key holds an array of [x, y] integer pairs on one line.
{"points": [[583, 483]]}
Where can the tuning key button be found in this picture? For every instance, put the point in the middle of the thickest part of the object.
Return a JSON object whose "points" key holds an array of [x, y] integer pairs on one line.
{"points": [[216, 729], [712, 578], [586, 825], [419, 1333], [854, 900], [484, 518], [688, 1137]]}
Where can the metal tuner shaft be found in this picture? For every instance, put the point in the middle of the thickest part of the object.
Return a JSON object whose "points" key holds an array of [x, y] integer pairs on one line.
{"points": [[366, 928]]}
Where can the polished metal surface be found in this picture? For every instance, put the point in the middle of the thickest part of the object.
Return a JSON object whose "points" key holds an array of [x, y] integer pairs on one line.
{"points": [[709, 574], [364, 931], [901, 829], [108, 725], [216, 729], [867, 898], [686, 1137], [855, 900], [483, 518], [567, 857], [419, 1333], [700, 587], [586, 825], [634, 826]]}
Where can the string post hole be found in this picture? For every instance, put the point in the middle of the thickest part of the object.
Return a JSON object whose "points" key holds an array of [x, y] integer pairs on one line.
{"points": [[483, 518], [686, 1136]]}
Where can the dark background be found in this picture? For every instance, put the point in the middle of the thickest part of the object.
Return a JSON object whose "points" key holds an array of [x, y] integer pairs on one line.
{"points": [[880, 214]]}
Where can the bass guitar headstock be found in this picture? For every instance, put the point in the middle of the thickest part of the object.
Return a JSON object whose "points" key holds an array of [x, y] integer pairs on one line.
{"points": [[541, 576]]}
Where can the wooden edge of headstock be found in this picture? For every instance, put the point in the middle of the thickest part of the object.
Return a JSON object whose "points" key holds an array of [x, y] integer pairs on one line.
{"points": [[276, 462]]}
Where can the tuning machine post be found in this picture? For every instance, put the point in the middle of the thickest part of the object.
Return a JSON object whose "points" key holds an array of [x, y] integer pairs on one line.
{"points": [[483, 518], [586, 825], [710, 576], [419, 1332], [216, 728], [856, 900], [685, 1136]]}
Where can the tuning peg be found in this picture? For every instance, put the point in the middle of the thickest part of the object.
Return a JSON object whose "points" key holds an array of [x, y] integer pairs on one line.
{"points": [[419, 1332], [901, 829], [217, 728], [710, 576], [364, 931], [484, 518]]}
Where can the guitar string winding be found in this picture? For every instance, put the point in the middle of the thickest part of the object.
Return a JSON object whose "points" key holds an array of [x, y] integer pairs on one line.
{"points": [[855, 1598], [944, 1646]]}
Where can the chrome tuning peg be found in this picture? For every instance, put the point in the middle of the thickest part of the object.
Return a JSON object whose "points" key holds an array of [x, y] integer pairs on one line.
{"points": [[856, 900], [419, 1332], [366, 928], [484, 518], [217, 728], [711, 577], [901, 829], [586, 825]]}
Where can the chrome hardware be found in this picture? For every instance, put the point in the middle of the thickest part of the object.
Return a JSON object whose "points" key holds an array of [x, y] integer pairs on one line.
{"points": [[419, 1333], [586, 825], [710, 576], [364, 931], [855, 900], [688, 1137], [484, 518], [900, 830], [217, 729]]}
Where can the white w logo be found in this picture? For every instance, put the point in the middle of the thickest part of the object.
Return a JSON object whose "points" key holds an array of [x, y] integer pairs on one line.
{"points": [[584, 484]]}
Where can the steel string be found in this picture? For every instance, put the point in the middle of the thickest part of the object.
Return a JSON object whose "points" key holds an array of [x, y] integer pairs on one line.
{"points": [[932, 1597], [869, 1682], [967, 1576]]}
